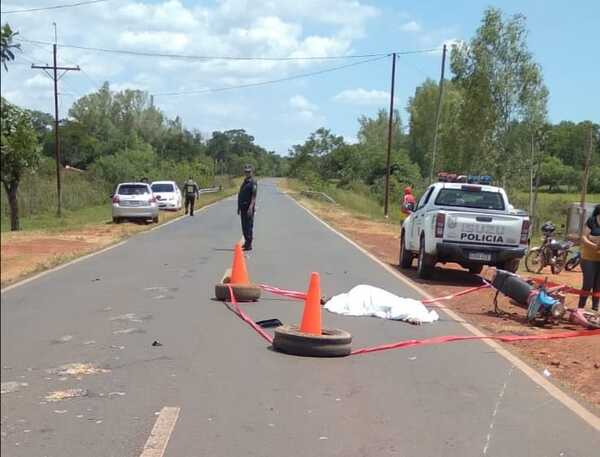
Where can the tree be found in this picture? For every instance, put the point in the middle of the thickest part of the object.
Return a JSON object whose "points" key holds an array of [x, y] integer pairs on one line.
{"points": [[502, 86], [422, 109], [6, 45], [20, 152]]}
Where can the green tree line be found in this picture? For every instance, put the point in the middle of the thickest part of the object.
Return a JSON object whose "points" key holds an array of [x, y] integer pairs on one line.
{"points": [[493, 122]]}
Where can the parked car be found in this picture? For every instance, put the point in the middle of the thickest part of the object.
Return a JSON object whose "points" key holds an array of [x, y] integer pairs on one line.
{"points": [[167, 194], [134, 200], [472, 225]]}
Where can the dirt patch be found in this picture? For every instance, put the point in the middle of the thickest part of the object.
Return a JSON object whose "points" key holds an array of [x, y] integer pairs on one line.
{"points": [[26, 253], [573, 363]]}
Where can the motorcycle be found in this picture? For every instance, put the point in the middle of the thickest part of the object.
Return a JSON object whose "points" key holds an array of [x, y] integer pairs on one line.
{"points": [[552, 252], [544, 304], [573, 262]]}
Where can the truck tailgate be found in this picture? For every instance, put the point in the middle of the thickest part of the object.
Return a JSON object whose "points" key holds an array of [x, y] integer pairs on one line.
{"points": [[483, 229]]}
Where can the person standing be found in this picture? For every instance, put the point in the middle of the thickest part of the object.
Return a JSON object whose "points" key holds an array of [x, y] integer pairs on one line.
{"points": [[590, 259], [191, 191], [246, 206], [409, 201]]}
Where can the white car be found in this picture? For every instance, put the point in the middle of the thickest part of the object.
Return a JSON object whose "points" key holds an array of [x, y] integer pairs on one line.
{"points": [[134, 200], [168, 195]]}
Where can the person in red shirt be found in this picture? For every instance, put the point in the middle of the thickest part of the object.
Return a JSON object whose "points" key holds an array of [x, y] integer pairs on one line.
{"points": [[409, 202]]}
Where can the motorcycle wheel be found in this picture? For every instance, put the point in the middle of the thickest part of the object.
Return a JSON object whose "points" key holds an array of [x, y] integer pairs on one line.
{"points": [[572, 263], [535, 261], [559, 263]]}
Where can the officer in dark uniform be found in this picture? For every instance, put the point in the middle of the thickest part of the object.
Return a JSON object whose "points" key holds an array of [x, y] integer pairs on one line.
{"points": [[246, 206], [191, 191]]}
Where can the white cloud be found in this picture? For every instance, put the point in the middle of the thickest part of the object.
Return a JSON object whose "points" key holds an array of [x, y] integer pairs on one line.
{"points": [[269, 28], [301, 103], [411, 27], [163, 41], [361, 96], [38, 81]]}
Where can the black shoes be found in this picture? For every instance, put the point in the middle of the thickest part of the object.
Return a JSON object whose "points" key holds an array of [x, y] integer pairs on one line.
{"points": [[246, 248]]}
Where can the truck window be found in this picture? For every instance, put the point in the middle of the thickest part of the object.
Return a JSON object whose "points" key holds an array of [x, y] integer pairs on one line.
{"points": [[470, 198], [425, 198]]}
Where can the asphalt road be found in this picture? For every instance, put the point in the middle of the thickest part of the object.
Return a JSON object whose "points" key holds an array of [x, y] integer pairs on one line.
{"points": [[236, 396]]}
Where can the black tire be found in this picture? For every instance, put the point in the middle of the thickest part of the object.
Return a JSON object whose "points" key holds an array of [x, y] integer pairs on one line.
{"points": [[406, 257], [559, 264], [512, 265], [116, 220], [242, 292], [572, 263], [332, 343], [475, 269], [424, 262], [155, 220]]}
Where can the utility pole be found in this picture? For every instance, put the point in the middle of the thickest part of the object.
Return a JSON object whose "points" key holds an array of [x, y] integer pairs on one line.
{"points": [[437, 116], [389, 145], [586, 176], [55, 78]]}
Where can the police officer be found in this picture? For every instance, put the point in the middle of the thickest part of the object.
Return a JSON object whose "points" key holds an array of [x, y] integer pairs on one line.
{"points": [[246, 206], [191, 191]]}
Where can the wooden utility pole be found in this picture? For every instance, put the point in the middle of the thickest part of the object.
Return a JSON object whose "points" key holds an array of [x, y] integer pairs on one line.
{"points": [[437, 116], [586, 176], [55, 78], [389, 145]]}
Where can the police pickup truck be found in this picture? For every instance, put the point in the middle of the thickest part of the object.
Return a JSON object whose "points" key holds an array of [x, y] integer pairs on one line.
{"points": [[470, 224]]}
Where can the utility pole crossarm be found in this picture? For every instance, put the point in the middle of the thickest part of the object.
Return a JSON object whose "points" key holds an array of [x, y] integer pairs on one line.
{"points": [[50, 67]]}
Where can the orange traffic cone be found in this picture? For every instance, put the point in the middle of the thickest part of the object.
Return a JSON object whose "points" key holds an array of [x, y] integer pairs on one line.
{"points": [[311, 318], [239, 274]]}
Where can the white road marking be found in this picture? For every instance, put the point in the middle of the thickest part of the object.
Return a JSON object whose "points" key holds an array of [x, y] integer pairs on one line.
{"points": [[496, 408], [586, 415], [95, 253], [161, 432]]}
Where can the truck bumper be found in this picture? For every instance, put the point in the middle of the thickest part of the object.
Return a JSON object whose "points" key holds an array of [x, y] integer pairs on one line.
{"points": [[469, 253]]}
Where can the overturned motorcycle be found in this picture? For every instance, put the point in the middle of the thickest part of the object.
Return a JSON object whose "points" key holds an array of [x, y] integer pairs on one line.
{"points": [[544, 304]]}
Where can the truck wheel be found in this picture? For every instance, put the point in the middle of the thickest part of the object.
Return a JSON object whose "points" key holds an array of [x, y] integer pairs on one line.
{"points": [[513, 265], [406, 257], [424, 262], [475, 269], [155, 220], [116, 220]]}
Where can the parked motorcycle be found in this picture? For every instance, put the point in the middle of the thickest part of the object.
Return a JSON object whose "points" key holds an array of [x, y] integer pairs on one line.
{"points": [[552, 252], [573, 262]]}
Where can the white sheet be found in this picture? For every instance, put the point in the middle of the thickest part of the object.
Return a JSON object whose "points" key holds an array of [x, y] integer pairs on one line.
{"points": [[364, 300]]}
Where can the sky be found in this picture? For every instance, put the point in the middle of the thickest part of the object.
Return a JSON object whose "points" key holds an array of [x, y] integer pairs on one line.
{"points": [[562, 37]]}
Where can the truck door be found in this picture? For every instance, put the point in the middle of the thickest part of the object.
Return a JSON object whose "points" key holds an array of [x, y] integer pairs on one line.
{"points": [[419, 219]]}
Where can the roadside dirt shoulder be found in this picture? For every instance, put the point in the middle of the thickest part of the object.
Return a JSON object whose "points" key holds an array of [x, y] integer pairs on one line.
{"points": [[574, 363]]}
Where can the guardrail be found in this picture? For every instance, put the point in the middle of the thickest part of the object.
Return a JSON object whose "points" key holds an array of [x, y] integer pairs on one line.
{"points": [[210, 190], [323, 195]]}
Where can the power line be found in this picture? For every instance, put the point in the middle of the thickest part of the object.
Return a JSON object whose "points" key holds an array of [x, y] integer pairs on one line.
{"points": [[272, 81], [207, 57], [55, 7]]}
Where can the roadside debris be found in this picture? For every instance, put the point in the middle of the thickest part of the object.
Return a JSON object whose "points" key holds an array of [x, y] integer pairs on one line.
{"points": [[66, 394], [156, 343], [11, 386], [546, 372], [63, 339], [269, 323], [127, 331], [77, 369]]}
